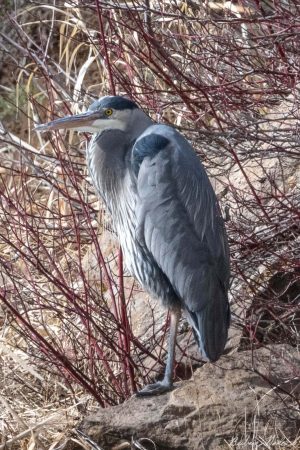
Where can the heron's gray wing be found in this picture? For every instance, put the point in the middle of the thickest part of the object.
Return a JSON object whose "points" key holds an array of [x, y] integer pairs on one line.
{"points": [[180, 224]]}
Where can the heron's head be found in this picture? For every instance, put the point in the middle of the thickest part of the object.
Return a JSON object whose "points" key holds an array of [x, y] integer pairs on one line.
{"points": [[112, 112]]}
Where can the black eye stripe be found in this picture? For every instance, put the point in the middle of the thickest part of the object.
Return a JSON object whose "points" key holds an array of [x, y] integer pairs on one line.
{"points": [[117, 103]]}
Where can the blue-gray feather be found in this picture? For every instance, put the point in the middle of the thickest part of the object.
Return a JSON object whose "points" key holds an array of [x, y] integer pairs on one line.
{"points": [[148, 146], [180, 225]]}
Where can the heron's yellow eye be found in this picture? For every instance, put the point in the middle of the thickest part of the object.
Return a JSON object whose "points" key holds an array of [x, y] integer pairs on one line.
{"points": [[108, 112]]}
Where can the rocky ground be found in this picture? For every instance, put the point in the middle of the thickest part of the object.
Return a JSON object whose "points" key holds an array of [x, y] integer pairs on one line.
{"points": [[223, 406]]}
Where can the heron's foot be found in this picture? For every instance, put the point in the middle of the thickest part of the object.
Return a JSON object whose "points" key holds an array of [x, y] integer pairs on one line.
{"points": [[160, 387]]}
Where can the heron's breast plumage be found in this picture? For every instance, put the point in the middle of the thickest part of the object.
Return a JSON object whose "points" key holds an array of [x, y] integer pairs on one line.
{"points": [[138, 259], [117, 187]]}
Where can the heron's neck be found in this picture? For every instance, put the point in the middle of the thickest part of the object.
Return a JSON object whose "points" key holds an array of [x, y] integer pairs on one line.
{"points": [[109, 158], [139, 122]]}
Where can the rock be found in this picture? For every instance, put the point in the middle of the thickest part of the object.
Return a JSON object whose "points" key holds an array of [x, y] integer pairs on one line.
{"points": [[224, 405]]}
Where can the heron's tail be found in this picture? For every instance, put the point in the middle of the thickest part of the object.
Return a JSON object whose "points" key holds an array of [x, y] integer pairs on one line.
{"points": [[210, 325]]}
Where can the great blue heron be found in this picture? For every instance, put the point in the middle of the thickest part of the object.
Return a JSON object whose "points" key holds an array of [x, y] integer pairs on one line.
{"points": [[166, 215]]}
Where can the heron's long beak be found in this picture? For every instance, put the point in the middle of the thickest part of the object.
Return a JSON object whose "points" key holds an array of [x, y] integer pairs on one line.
{"points": [[79, 122]]}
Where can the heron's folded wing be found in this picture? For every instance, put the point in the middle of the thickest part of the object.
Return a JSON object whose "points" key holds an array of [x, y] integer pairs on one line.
{"points": [[179, 220]]}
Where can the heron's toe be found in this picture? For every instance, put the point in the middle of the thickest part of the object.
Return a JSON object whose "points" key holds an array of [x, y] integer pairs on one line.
{"points": [[155, 389]]}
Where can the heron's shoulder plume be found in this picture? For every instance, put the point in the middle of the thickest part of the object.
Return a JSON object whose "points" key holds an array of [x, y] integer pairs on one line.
{"points": [[148, 145], [116, 102]]}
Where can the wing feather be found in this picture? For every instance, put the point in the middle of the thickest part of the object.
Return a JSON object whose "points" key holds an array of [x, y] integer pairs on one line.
{"points": [[180, 224]]}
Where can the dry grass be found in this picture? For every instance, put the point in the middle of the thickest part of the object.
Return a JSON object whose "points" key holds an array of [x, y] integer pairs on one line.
{"points": [[38, 410], [228, 78]]}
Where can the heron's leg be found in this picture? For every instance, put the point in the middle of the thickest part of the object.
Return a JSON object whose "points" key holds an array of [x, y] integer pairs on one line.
{"points": [[174, 320], [167, 383]]}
